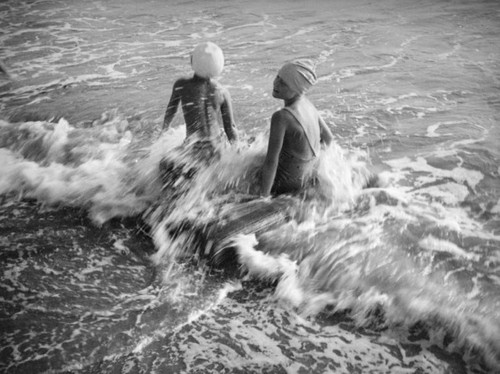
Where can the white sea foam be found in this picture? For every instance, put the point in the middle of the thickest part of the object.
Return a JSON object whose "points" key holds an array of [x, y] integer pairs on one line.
{"points": [[87, 168], [431, 243], [420, 164], [432, 130]]}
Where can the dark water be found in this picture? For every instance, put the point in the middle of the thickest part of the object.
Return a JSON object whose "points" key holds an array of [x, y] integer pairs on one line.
{"points": [[399, 279]]}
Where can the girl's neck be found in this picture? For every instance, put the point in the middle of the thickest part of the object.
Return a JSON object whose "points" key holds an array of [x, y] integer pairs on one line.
{"points": [[293, 100], [197, 77]]}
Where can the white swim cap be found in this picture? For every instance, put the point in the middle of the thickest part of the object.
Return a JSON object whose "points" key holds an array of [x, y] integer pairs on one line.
{"points": [[207, 60]]}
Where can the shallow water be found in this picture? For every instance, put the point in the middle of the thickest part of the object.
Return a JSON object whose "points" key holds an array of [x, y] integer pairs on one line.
{"points": [[399, 279]]}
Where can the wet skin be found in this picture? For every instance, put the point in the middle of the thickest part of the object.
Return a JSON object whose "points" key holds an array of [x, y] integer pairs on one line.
{"points": [[201, 100]]}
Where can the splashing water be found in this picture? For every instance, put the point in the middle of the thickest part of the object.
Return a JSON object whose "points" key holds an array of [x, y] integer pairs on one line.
{"points": [[357, 264], [401, 278], [341, 249]]}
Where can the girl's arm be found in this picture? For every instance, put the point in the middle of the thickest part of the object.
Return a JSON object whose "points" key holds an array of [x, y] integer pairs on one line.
{"points": [[276, 136], [227, 117], [326, 136], [172, 105]]}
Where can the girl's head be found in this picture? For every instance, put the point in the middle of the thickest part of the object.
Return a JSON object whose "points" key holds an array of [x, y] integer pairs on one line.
{"points": [[207, 60], [299, 76]]}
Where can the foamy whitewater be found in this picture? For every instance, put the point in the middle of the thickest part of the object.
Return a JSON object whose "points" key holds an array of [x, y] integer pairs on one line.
{"points": [[102, 263]]}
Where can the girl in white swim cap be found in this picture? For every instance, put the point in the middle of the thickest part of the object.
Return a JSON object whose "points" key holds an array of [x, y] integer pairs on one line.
{"points": [[202, 97]]}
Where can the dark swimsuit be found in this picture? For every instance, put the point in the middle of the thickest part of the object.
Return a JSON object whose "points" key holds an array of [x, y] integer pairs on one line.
{"points": [[294, 171]]}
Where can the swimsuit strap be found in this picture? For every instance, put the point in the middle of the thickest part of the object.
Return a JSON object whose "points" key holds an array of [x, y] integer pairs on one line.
{"points": [[298, 118]]}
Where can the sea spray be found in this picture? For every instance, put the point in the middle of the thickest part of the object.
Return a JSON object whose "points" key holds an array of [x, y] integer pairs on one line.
{"points": [[98, 169], [194, 195], [378, 283], [102, 170]]}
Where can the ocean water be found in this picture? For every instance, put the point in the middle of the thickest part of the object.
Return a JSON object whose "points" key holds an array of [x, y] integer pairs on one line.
{"points": [[403, 278]]}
